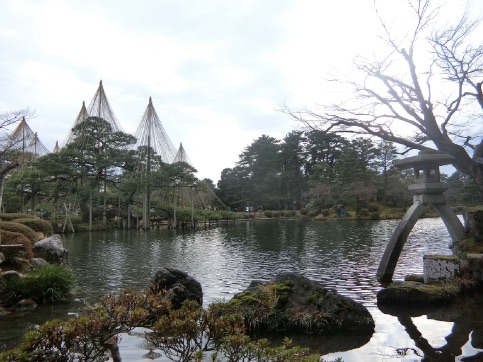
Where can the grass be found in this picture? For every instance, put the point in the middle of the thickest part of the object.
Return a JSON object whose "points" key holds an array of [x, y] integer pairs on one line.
{"points": [[47, 284]]}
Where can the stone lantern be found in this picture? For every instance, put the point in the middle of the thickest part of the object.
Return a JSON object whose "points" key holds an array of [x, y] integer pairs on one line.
{"points": [[427, 189], [427, 178]]}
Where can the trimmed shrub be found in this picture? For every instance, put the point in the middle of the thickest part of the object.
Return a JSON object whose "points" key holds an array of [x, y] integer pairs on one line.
{"points": [[10, 238], [5, 216], [37, 225], [325, 212], [304, 211], [313, 213], [268, 213], [50, 283], [373, 208], [19, 228]]}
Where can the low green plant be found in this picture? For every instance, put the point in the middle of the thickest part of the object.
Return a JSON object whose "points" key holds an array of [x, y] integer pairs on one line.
{"points": [[11, 238], [268, 213], [49, 283], [375, 215], [313, 212], [19, 228], [7, 216], [37, 225], [91, 334], [190, 333], [373, 207]]}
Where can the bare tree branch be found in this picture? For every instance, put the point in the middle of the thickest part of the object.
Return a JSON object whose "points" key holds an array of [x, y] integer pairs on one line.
{"points": [[418, 106]]}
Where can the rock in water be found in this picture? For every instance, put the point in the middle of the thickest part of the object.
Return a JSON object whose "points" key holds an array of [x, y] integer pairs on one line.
{"points": [[294, 303], [179, 286]]}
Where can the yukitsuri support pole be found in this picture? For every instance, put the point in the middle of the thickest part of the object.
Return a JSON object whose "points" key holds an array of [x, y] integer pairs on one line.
{"points": [[90, 210], [192, 208], [129, 216]]}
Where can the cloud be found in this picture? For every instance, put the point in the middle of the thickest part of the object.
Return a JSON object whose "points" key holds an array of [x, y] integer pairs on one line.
{"points": [[216, 70]]}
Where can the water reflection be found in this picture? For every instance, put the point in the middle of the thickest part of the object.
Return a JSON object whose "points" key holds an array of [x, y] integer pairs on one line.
{"points": [[225, 259], [463, 337]]}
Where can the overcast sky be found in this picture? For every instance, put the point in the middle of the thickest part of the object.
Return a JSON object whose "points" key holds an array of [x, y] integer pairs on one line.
{"points": [[217, 70]]}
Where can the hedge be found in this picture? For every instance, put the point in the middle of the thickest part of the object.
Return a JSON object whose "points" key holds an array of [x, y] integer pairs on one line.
{"points": [[38, 225], [11, 237], [5, 216], [19, 228]]}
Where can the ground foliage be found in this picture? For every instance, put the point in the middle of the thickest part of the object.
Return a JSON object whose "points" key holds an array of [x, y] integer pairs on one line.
{"points": [[186, 334], [47, 284]]}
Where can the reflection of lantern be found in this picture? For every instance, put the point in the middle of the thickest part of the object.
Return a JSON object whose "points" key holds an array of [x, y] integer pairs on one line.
{"points": [[427, 189]]}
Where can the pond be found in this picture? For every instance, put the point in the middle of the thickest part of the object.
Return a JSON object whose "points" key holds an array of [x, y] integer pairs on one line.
{"points": [[343, 255]]}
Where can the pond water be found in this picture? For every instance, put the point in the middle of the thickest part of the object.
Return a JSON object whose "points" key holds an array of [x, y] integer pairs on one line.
{"points": [[343, 255]]}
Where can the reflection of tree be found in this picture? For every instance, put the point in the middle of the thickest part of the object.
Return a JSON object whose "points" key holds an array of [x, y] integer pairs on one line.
{"points": [[465, 315]]}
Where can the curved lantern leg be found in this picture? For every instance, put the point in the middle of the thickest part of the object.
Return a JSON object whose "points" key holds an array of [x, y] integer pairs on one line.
{"points": [[398, 239]]}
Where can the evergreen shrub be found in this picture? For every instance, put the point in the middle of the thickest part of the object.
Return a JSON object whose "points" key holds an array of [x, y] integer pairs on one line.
{"points": [[10, 238], [268, 213], [19, 228], [37, 225], [6, 216], [373, 208], [313, 212]]}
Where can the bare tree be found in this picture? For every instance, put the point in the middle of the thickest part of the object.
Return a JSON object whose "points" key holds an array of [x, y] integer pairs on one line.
{"points": [[424, 93]]}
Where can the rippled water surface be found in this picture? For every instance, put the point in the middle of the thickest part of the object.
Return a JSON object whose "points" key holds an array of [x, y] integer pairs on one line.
{"points": [[343, 255]]}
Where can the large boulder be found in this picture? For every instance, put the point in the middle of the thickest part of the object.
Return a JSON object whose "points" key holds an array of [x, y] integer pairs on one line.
{"points": [[51, 249], [291, 302], [178, 285]]}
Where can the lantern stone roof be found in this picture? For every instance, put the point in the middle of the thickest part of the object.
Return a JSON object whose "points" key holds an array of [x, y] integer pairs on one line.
{"points": [[428, 157]]}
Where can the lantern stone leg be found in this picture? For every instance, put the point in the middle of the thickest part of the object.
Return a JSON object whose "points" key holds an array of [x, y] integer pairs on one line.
{"points": [[398, 239], [453, 224], [428, 190]]}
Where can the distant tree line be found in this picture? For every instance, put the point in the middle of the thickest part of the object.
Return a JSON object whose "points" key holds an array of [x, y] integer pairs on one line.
{"points": [[100, 175], [317, 170]]}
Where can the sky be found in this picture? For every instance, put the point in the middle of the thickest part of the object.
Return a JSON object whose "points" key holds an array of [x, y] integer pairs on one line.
{"points": [[218, 71]]}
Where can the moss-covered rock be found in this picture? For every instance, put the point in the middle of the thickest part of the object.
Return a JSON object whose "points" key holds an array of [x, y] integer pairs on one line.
{"points": [[411, 293], [291, 302]]}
